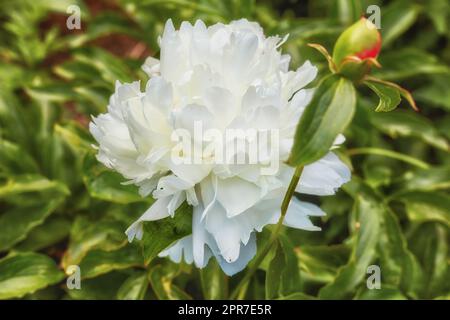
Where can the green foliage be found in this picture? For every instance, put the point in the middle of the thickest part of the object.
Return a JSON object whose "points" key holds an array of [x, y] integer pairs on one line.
{"points": [[327, 115], [60, 207]]}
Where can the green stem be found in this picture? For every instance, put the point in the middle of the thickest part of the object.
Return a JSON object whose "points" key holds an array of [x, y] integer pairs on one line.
{"points": [[389, 154], [240, 289]]}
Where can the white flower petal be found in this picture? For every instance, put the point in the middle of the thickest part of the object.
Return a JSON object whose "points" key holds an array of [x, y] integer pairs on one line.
{"points": [[237, 195], [324, 176], [157, 211], [298, 214], [247, 252]]}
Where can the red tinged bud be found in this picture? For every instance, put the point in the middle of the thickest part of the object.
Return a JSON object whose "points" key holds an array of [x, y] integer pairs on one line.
{"points": [[356, 49], [361, 40]]}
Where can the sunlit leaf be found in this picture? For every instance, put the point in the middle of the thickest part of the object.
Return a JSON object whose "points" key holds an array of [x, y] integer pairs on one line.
{"points": [[25, 273]]}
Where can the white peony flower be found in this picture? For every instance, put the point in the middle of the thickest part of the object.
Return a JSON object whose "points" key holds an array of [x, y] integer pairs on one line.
{"points": [[223, 77]]}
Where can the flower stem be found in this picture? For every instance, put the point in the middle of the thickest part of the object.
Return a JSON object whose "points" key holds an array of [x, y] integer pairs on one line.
{"points": [[239, 291]]}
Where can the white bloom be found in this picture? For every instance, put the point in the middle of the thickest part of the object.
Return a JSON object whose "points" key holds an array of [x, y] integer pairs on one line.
{"points": [[226, 76]]}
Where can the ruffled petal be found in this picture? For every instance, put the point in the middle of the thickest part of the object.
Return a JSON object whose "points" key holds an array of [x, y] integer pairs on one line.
{"points": [[324, 176]]}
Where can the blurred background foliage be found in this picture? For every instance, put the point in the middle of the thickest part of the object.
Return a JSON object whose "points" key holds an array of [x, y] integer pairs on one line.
{"points": [[59, 207]]}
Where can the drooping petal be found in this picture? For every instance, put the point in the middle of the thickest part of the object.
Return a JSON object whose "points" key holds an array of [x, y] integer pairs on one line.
{"points": [[179, 250], [237, 195], [298, 215], [247, 252], [324, 176], [157, 211]]}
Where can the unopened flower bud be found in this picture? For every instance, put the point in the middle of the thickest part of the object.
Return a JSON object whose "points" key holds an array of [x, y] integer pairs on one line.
{"points": [[357, 49]]}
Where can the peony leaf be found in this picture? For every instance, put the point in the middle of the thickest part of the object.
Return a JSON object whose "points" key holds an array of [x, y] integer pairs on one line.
{"points": [[430, 244], [16, 223], [427, 206], [283, 275], [328, 114], [25, 273], [160, 234], [386, 292], [389, 97], [107, 185], [10, 152], [367, 215], [214, 282], [163, 287], [397, 19], [97, 262], [52, 231], [400, 267], [321, 263], [87, 235], [134, 288], [103, 287], [408, 124]]}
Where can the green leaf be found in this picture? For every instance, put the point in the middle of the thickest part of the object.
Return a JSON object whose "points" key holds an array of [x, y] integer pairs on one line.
{"points": [[31, 183], [439, 12], [160, 234], [9, 155], [97, 262], [329, 113], [16, 223], [397, 19], [386, 292], [75, 136], [430, 243], [348, 11], [24, 273], [106, 184], [298, 296], [389, 97], [55, 92], [163, 287], [214, 282], [431, 179], [427, 206], [52, 231], [87, 235], [283, 275], [390, 154], [134, 288], [103, 287], [320, 263], [400, 267], [368, 215], [111, 68], [435, 92], [408, 124], [409, 62]]}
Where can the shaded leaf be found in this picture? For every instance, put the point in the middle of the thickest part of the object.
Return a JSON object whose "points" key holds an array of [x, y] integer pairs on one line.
{"points": [[407, 124], [283, 275], [87, 235], [16, 223], [163, 287], [368, 214], [97, 262], [106, 184], [214, 282], [160, 234], [389, 97], [24, 273], [328, 114], [134, 288]]}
